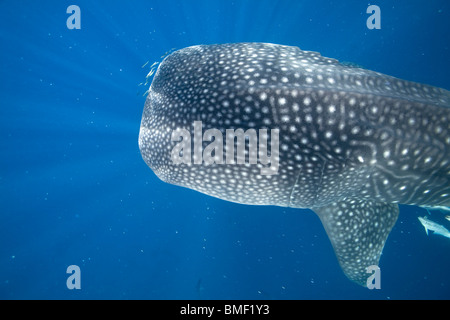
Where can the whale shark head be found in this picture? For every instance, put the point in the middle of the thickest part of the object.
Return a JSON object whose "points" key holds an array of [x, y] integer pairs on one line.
{"points": [[267, 124]]}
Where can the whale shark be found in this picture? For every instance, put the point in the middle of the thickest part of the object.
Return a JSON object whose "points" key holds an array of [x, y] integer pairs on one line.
{"points": [[352, 144]]}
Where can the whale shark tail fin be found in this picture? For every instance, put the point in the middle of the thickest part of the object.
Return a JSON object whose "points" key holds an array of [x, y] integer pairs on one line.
{"points": [[358, 230]]}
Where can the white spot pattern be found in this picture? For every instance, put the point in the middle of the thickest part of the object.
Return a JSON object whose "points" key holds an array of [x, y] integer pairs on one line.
{"points": [[346, 134]]}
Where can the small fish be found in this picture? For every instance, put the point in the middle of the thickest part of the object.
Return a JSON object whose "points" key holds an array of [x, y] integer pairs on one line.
{"points": [[434, 226], [439, 208], [167, 53], [151, 72]]}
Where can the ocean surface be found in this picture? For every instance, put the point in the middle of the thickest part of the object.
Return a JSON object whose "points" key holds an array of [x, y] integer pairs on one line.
{"points": [[74, 189]]}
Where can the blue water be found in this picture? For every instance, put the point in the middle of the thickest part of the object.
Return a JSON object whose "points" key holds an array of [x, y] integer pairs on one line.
{"points": [[74, 189]]}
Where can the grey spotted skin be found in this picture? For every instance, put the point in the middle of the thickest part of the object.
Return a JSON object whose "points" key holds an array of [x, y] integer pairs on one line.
{"points": [[352, 142]]}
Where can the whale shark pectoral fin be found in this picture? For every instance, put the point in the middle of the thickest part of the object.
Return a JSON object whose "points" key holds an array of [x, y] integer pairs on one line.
{"points": [[358, 230]]}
